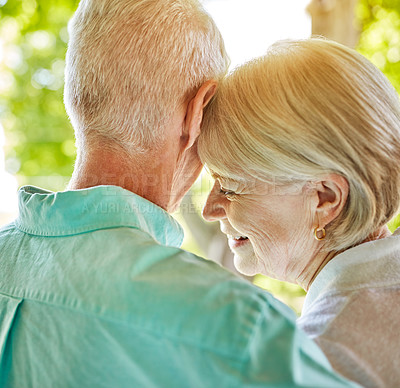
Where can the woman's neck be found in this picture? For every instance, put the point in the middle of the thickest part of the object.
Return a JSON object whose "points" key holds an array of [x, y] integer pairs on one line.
{"points": [[319, 261]]}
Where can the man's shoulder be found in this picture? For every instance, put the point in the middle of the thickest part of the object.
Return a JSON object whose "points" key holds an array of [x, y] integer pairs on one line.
{"points": [[123, 286], [171, 291], [125, 276]]}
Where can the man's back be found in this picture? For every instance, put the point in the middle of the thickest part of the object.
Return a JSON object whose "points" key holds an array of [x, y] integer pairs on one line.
{"points": [[92, 296]]}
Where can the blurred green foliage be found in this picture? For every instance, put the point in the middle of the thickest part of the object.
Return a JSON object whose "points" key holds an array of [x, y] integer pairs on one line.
{"points": [[288, 293], [380, 43], [380, 37], [33, 41]]}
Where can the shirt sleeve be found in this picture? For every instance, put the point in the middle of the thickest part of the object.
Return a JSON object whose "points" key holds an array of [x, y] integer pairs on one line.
{"points": [[280, 354]]}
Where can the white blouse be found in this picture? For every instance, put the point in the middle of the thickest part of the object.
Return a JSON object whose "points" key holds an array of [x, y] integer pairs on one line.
{"points": [[352, 311]]}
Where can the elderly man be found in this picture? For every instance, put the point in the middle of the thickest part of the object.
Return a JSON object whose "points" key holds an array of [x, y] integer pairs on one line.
{"points": [[94, 290]]}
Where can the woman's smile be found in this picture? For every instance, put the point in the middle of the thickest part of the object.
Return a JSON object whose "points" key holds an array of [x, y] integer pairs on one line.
{"points": [[236, 242]]}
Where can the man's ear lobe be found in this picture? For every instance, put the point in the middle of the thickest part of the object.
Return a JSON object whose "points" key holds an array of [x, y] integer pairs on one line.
{"points": [[332, 192], [194, 113]]}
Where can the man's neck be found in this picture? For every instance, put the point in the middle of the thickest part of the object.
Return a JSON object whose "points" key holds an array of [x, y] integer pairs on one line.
{"points": [[146, 175]]}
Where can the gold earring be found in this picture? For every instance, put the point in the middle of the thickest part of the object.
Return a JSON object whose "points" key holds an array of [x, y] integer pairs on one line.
{"points": [[316, 230]]}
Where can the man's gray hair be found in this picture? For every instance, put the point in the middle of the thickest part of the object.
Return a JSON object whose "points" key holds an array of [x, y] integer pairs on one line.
{"points": [[130, 63]]}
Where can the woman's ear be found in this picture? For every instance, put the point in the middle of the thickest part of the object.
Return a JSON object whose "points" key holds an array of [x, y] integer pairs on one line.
{"points": [[332, 193], [194, 112]]}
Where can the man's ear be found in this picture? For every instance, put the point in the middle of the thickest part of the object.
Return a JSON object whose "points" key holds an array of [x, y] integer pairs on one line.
{"points": [[194, 113], [332, 193]]}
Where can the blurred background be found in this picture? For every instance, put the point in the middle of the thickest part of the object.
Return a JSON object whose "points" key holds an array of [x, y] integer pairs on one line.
{"points": [[36, 138]]}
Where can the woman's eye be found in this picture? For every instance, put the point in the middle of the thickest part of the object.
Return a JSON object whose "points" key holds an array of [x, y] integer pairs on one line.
{"points": [[227, 193]]}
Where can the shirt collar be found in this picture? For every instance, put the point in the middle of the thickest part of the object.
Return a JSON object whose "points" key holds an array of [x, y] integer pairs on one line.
{"points": [[46, 213], [358, 267]]}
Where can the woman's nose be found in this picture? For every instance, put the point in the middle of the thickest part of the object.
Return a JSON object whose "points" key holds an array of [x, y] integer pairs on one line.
{"points": [[213, 209]]}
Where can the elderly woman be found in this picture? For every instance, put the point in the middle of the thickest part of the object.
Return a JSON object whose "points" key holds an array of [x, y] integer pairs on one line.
{"points": [[304, 144]]}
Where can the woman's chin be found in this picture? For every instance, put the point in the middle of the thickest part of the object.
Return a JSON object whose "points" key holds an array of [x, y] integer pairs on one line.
{"points": [[246, 264]]}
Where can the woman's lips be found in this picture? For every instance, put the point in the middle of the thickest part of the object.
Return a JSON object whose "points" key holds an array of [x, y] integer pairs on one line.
{"points": [[237, 241]]}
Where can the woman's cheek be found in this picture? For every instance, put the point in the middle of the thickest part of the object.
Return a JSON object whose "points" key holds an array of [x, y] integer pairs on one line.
{"points": [[240, 215]]}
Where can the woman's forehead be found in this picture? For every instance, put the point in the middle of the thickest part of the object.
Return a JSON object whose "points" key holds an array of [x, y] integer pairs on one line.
{"points": [[226, 179], [239, 177], [234, 183]]}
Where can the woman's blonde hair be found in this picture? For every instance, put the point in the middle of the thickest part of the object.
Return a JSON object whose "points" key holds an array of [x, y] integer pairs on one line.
{"points": [[306, 109]]}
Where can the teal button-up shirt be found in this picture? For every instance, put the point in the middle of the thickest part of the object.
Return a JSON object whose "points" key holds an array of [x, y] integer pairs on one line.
{"points": [[94, 292]]}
